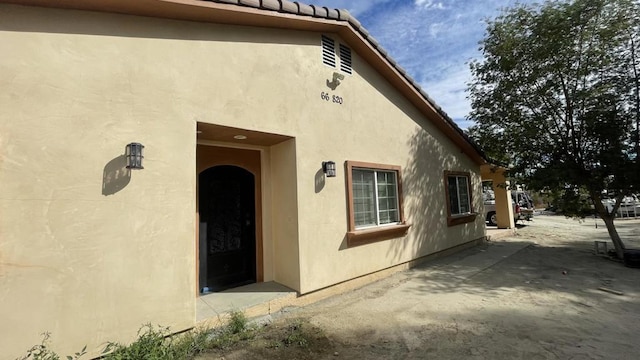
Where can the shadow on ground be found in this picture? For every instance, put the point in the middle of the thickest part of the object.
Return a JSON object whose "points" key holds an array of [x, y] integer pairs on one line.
{"points": [[537, 295]]}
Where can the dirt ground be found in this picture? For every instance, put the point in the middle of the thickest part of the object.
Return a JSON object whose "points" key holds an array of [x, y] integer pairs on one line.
{"points": [[531, 296]]}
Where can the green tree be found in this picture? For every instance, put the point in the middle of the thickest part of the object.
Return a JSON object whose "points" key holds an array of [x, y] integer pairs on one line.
{"points": [[556, 97]]}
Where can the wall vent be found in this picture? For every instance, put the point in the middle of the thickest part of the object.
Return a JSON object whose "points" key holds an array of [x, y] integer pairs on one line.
{"points": [[328, 51], [345, 59]]}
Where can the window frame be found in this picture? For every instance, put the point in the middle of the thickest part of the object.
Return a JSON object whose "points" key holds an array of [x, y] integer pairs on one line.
{"points": [[375, 233], [457, 219]]}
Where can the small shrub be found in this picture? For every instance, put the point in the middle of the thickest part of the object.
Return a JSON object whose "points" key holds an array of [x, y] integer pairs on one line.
{"points": [[150, 344], [299, 333], [296, 335], [237, 329], [157, 343], [191, 343], [42, 351], [237, 323]]}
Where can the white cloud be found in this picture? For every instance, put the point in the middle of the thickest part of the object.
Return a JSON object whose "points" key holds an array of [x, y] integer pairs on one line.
{"points": [[436, 28], [433, 40], [449, 91], [430, 4]]}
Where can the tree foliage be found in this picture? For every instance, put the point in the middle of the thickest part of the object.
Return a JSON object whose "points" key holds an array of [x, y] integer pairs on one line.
{"points": [[556, 97]]}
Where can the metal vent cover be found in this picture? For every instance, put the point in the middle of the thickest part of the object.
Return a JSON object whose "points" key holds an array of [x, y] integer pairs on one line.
{"points": [[345, 59], [328, 51]]}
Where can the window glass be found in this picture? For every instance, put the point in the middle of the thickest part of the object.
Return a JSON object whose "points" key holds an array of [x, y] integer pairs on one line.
{"points": [[375, 197], [387, 198], [363, 198], [453, 195], [459, 199], [463, 194]]}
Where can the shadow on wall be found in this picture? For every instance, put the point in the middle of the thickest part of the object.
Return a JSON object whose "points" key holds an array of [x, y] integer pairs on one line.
{"points": [[115, 176], [425, 202], [319, 180]]}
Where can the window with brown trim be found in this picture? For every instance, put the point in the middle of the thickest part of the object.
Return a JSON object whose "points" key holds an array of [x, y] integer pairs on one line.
{"points": [[458, 191], [375, 202]]}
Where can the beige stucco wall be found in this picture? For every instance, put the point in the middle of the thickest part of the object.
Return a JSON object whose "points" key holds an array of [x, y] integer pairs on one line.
{"points": [[375, 124], [90, 259], [285, 247]]}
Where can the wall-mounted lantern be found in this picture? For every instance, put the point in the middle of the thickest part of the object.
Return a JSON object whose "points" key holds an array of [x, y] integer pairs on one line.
{"points": [[329, 168], [134, 155]]}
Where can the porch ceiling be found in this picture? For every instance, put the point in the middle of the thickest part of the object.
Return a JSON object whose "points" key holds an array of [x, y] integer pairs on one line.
{"points": [[229, 134]]}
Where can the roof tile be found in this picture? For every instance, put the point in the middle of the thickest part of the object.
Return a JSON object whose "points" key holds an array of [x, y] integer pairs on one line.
{"points": [[288, 6], [373, 41], [333, 13], [413, 82], [343, 15], [304, 9], [252, 3], [271, 5], [353, 21], [319, 11]]}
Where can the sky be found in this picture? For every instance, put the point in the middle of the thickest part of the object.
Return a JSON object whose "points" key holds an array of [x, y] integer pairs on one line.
{"points": [[433, 40]]}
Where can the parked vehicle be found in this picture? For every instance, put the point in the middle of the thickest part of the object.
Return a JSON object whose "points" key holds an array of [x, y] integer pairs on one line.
{"points": [[490, 212], [629, 207], [525, 202], [522, 206]]}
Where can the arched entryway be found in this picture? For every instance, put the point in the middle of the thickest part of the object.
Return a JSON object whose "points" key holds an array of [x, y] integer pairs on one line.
{"points": [[227, 210]]}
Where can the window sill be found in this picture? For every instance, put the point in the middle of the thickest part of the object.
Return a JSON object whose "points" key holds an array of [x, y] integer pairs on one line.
{"points": [[462, 219], [368, 236]]}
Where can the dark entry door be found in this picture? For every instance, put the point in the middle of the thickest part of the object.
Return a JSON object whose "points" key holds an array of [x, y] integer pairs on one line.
{"points": [[227, 216]]}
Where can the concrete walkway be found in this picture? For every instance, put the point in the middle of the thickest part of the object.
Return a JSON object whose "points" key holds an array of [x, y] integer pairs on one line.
{"points": [[270, 297], [253, 299], [465, 264]]}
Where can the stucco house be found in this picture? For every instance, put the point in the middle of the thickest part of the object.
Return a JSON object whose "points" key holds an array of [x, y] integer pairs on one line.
{"points": [[280, 144]]}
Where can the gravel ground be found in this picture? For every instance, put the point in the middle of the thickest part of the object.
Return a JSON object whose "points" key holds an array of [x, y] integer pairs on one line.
{"points": [[536, 295]]}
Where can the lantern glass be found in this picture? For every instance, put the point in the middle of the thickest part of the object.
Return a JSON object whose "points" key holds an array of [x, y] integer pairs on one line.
{"points": [[329, 168], [134, 154]]}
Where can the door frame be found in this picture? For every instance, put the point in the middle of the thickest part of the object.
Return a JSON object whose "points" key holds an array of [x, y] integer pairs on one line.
{"points": [[208, 156]]}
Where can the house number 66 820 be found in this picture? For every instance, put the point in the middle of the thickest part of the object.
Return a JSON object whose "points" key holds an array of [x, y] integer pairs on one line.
{"points": [[333, 98]]}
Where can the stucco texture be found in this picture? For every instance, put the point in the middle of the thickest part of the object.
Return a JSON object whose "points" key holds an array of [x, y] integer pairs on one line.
{"points": [[91, 251], [375, 124]]}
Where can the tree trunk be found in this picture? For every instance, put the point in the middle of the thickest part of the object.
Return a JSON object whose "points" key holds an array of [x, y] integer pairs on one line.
{"points": [[608, 221], [613, 234]]}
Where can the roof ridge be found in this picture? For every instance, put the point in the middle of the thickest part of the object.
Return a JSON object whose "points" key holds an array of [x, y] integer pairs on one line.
{"points": [[292, 7]]}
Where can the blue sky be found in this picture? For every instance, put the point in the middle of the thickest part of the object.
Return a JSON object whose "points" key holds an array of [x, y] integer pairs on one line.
{"points": [[433, 40]]}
